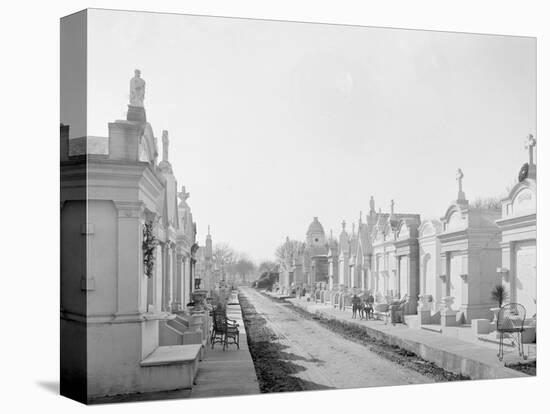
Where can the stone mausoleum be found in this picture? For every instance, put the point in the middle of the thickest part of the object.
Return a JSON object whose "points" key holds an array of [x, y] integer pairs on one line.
{"points": [[127, 264], [518, 224]]}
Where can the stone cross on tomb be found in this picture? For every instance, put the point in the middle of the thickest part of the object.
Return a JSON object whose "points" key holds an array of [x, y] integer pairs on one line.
{"points": [[165, 145], [183, 196], [530, 143], [459, 178]]}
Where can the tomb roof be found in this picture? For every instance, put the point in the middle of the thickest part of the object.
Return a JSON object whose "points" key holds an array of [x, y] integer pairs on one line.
{"points": [[315, 227]]}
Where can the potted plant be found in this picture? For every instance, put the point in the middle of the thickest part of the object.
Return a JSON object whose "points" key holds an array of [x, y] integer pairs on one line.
{"points": [[498, 294]]}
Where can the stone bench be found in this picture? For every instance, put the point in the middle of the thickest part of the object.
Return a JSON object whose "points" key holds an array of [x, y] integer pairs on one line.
{"points": [[172, 367]]}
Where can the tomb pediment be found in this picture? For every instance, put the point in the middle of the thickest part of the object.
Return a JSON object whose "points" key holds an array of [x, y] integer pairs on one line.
{"points": [[429, 227], [521, 200], [524, 200], [455, 218], [404, 231]]}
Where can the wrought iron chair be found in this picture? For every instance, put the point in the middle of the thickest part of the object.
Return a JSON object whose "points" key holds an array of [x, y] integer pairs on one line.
{"points": [[223, 329], [510, 323]]}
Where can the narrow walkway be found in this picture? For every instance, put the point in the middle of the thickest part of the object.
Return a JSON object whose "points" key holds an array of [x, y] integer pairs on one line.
{"points": [[451, 354], [227, 373]]}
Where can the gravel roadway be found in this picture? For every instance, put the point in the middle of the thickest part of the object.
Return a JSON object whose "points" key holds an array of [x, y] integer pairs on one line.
{"points": [[323, 358]]}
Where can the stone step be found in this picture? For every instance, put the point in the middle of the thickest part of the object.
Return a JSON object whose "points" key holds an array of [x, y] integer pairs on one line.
{"points": [[432, 328], [172, 367]]}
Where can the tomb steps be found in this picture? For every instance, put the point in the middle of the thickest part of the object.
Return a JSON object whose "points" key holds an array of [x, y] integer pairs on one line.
{"points": [[171, 367]]}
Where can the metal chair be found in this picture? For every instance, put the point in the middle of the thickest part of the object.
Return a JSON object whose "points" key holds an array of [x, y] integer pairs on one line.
{"points": [[510, 323], [223, 329]]}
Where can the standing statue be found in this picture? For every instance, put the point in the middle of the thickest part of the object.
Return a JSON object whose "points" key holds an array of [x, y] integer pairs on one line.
{"points": [[137, 89], [372, 204], [165, 144]]}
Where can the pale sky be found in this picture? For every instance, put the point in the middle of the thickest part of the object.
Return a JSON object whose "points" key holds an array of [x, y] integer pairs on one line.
{"points": [[272, 123]]}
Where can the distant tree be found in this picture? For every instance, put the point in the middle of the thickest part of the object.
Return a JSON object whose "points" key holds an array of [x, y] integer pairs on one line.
{"points": [[243, 268], [266, 266], [267, 280], [223, 253], [224, 257], [488, 202], [287, 252]]}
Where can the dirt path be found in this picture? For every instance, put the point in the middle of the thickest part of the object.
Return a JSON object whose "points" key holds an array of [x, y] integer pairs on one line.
{"points": [[295, 353]]}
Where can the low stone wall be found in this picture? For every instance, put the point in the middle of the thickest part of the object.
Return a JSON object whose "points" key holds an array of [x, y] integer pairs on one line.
{"points": [[448, 359]]}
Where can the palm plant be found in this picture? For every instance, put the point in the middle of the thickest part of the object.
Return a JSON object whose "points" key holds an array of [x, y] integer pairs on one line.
{"points": [[499, 294]]}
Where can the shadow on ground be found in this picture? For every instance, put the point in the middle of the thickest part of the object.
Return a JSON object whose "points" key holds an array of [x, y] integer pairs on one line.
{"points": [[51, 386]]}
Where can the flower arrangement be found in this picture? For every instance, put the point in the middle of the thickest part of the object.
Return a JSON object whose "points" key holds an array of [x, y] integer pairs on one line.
{"points": [[150, 242]]}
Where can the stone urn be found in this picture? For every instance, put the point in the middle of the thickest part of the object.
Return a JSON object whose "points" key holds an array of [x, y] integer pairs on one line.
{"points": [[447, 303], [199, 299], [425, 303]]}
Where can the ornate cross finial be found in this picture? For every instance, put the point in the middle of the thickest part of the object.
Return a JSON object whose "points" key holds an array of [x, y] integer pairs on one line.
{"points": [[459, 178], [530, 143], [183, 195]]}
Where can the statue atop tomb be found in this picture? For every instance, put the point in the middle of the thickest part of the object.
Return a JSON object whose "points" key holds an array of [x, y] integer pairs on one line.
{"points": [[372, 210], [165, 145], [165, 165], [137, 89], [136, 110]]}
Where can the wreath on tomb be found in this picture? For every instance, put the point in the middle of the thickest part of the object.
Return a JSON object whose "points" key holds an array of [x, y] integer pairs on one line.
{"points": [[149, 245], [523, 172]]}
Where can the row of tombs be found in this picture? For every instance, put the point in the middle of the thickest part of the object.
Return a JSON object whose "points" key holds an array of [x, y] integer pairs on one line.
{"points": [[443, 271], [133, 277]]}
